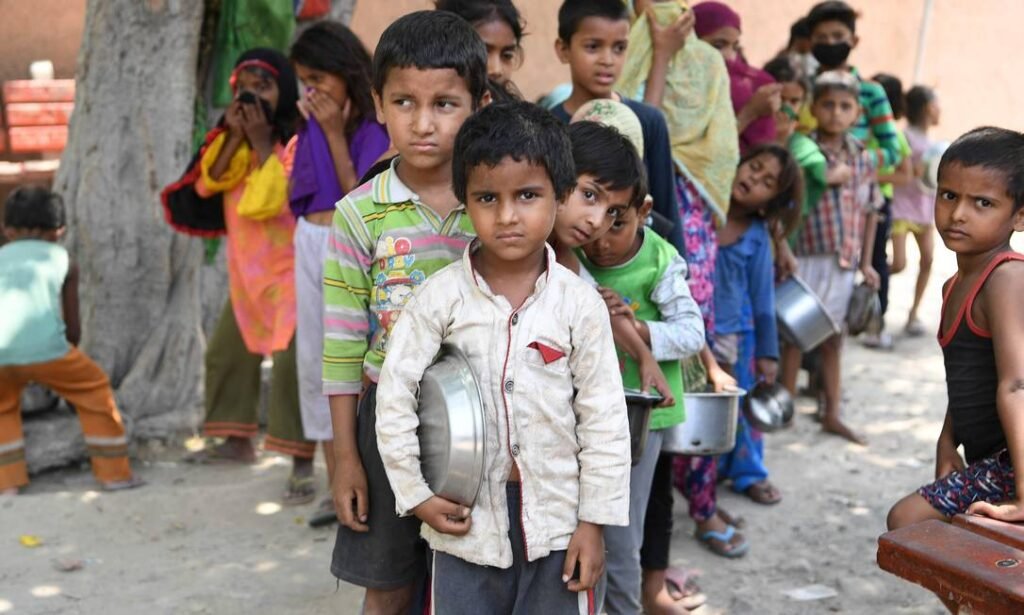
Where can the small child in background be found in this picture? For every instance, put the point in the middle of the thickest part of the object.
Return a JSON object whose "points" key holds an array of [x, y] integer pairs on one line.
{"points": [[339, 140], [39, 335], [980, 206], [643, 277], [500, 26], [388, 237], [539, 340], [837, 237], [913, 203]]}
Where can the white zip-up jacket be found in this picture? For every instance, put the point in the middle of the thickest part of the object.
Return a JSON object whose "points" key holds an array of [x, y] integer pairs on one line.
{"points": [[560, 413]]}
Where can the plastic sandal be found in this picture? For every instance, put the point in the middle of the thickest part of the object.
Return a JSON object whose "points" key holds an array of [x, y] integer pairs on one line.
{"points": [[724, 538]]}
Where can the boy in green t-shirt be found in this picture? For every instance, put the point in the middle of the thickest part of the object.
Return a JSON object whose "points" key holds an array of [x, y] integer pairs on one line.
{"points": [[643, 276]]}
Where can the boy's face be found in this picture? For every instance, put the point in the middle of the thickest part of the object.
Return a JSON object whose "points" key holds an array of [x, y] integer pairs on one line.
{"points": [[595, 54], [973, 212], [423, 110], [793, 94], [830, 33], [622, 240], [589, 211], [512, 206], [836, 111]]}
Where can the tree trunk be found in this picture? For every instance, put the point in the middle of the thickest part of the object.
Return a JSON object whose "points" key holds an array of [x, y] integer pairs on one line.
{"points": [[131, 135]]}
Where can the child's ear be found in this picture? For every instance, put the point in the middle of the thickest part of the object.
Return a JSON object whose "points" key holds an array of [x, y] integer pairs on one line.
{"points": [[485, 100], [1018, 220], [562, 50], [646, 206], [378, 106], [854, 40]]}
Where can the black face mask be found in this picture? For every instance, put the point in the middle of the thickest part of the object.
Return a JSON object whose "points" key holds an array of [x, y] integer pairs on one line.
{"points": [[831, 55]]}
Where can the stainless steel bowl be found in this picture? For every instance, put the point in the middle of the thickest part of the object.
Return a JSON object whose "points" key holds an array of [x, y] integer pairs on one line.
{"points": [[639, 406], [768, 407], [865, 306], [802, 318], [451, 431], [710, 425]]}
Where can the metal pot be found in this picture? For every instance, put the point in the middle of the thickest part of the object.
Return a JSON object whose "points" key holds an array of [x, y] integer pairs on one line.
{"points": [[802, 318], [639, 406], [768, 407], [451, 431], [865, 306], [710, 425]]}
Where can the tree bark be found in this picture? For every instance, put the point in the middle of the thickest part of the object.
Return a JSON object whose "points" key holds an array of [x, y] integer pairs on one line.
{"points": [[129, 136]]}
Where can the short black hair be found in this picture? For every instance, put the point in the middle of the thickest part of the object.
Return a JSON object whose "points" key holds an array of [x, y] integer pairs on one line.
{"points": [[781, 69], [893, 91], [432, 40], [517, 130], [329, 46], [34, 208], [917, 101], [485, 11], [573, 12], [997, 149], [608, 155], [799, 30], [832, 10]]}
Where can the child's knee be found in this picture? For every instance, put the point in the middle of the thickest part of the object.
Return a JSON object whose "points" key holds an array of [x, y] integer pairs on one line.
{"points": [[926, 262], [910, 510], [898, 265]]}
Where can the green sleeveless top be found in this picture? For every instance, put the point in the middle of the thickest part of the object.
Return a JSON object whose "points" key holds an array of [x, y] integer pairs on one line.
{"points": [[635, 280], [32, 274]]}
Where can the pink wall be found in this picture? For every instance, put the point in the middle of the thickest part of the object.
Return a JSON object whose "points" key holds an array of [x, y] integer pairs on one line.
{"points": [[967, 58]]}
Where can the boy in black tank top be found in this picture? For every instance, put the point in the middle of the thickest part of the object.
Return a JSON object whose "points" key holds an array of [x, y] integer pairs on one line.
{"points": [[979, 205]]}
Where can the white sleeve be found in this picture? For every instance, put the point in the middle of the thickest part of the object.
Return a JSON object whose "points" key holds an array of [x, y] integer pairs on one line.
{"points": [[680, 332]]}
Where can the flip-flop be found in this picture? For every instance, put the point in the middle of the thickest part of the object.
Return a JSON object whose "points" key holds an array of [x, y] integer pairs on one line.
{"points": [[683, 583], [299, 491], [123, 485], [723, 538], [762, 493], [325, 514]]}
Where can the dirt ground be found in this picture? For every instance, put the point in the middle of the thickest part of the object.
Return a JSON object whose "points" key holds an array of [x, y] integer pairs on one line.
{"points": [[215, 540]]}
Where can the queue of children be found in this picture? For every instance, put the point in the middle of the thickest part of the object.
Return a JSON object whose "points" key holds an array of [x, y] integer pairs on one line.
{"points": [[624, 238]]}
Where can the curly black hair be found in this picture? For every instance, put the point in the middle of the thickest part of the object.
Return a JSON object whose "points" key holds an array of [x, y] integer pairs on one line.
{"points": [[34, 208]]}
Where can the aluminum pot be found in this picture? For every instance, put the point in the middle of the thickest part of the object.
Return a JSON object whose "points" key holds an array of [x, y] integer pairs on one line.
{"points": [[865, 307], [768, 407], [639, 406], [451, 431], [710, 425], [802, 318]]}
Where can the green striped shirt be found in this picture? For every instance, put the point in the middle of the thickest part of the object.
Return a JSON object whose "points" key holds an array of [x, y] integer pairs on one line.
{"points": [[384, 243]]}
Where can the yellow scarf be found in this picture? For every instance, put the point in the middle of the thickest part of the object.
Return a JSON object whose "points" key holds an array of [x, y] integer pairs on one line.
{"points": [[697, 106]]}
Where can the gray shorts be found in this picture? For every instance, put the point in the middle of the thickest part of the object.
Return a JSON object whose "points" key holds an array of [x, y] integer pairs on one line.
{"points": [[392, 554], [462, 588]]}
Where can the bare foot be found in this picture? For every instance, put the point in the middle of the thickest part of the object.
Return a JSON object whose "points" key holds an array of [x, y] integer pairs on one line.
{"points": [[232, 450], [658, 597], [836, 427], [9, 491]]}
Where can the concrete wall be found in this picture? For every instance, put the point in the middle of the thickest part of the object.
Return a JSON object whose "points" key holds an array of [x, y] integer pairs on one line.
{"points": [[969, 54]]}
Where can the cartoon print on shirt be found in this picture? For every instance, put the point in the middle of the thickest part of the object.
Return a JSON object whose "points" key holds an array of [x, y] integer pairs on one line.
{"points": [[394, 284]]}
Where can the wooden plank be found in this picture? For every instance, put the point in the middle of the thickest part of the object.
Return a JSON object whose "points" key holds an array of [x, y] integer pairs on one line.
{"points": [[958, 565], [39, 90], [27, 139], [1011, 534], [39, 114]]}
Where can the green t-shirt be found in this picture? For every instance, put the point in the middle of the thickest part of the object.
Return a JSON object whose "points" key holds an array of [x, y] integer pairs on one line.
{"points": [[635, 281], [814, 167]]}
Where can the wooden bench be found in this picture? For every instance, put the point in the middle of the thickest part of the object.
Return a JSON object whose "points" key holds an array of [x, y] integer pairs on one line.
{"points": [[35, 125], [975, 562]]}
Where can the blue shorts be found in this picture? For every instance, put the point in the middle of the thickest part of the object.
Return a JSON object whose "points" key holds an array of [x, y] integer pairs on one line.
{"points": [[986, 480]]}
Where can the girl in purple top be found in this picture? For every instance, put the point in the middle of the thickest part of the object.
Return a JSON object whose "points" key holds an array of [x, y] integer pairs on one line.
{"points": [[913, 203], [339, 140]]}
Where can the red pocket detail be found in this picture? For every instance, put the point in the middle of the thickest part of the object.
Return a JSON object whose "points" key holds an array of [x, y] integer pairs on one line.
{"points": [[550, 354]]}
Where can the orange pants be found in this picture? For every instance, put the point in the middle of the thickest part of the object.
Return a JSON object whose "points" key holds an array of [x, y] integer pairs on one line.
{"points": [[76, 378]]}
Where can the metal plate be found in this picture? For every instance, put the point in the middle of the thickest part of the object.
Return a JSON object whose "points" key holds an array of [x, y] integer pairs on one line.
{"points": [[451, 431]]}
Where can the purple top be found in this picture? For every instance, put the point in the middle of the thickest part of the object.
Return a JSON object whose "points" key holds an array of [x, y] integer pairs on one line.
{"points": [[914, 202], [314, 182]]}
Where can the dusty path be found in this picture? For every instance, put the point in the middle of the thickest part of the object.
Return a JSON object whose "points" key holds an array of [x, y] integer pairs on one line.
{"points": [[213, 540]]}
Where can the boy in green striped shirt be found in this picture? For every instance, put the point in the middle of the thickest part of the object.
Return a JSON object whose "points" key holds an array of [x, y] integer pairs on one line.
{"points": [[388, 236]]}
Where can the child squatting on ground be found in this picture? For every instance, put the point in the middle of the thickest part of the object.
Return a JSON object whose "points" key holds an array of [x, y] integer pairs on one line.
{"points": [[389, 236], [980, 204], [557, 465], [39, 335]]}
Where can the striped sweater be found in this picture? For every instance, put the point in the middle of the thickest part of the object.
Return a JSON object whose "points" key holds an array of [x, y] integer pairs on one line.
{"points": [[384, 243], [876, 126]]}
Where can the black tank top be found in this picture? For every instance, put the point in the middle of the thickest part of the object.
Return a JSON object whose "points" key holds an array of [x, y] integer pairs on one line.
{"points": [[971, 379]]}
